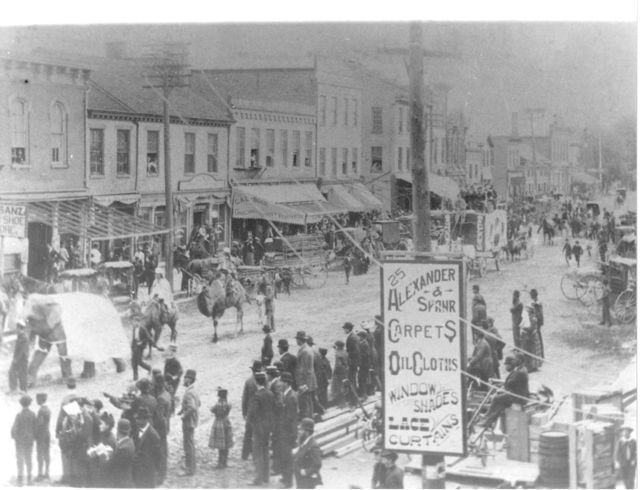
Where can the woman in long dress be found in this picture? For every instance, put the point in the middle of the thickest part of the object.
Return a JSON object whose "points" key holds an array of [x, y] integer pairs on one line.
{"points": [[221, 437], [530, 340]]}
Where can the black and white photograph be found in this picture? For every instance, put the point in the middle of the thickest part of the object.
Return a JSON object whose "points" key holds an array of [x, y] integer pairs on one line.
{"points": [[287, 252]]}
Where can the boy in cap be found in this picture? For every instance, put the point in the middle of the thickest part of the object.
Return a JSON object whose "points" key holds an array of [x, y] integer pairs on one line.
{"points": [[308, 458], [23, 432], [173, 368], [20, 362], [626, 454], [394, 476], [189, 413], [43, 436]]}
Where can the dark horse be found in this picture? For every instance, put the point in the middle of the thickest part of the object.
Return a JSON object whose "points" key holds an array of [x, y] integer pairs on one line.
{"points": [[193, 268], [154, 316]]}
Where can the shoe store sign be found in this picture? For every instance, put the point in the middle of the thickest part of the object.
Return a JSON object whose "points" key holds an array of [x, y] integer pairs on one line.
{"points": [[424, 354], [13, 220]]}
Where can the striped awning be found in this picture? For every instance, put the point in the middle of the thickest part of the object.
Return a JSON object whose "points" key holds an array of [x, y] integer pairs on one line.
{"points": [[87, 217]]}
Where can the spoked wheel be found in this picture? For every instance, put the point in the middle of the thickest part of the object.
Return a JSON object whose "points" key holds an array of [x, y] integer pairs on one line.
{"points": [[315, 276], [572, 286], [594, 290], [624, 308]]}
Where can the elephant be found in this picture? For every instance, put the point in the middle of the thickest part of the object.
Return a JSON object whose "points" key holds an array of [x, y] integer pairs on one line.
{"points": [[81, 325], [215, 297]]}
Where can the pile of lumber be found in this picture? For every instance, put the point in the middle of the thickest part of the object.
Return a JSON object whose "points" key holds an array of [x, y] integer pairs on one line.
{"points": [[337, 434]]}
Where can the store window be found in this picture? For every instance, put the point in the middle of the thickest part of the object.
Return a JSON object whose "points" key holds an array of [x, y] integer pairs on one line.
{"points": [[153, 154], [189, 153]]}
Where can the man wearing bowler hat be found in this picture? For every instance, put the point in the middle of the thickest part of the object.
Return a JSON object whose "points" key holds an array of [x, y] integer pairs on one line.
{"points": [[287, 359], [394, 476], [261, 420], [305, 376], [308, 457], [189, 413], [352, 344], [146, 463], [286, 427], [248, 392]]}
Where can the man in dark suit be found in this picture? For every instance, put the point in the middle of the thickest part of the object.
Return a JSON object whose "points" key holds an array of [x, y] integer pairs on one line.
{"points": [[248, 392], [287, 359], [189, 413], [516, 389], [148, 453], [286, 427], [626, 454], [305, 376], [261, 419], [353, 352], [365, 364], [393, 476], [120, 466], [308, 457], [318, 408], [23, 433], [161, 420]]}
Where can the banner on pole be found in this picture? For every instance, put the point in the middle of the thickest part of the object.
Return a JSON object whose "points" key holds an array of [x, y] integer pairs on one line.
{"points": [[424, 394], [13, 220]]}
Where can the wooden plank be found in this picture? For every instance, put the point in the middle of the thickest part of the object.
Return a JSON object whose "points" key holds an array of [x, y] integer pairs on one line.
{"points": [[338, 443], [518, 435], [349, 448]]}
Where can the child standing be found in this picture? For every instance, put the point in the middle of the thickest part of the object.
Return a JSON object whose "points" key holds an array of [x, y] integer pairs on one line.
{"points": [[43, 436], [346, 263], [23, 433], [221, 437]]}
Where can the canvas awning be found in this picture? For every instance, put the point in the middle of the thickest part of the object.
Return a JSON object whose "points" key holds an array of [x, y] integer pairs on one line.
{"points": [[340, 196], [87, 217], [365, 196], [438, 184], [293, 203]]}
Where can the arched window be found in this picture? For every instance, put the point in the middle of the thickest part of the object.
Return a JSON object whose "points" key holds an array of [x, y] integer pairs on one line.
{"points": [[58, 135], [19, 131]]}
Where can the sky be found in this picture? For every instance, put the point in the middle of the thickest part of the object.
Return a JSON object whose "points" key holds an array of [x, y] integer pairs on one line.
{"points": [[583, 72]]}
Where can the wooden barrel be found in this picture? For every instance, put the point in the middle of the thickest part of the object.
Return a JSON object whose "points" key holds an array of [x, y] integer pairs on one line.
{"points": [[553, 459]]}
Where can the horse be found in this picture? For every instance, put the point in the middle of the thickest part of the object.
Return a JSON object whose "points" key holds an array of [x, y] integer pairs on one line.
{"points": [[154, 316], [548, 231], [193, 268], [513, 249], [214, 299]]}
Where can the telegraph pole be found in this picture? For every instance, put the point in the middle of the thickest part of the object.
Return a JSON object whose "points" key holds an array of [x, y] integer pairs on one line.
{"points": [[531, 113], [420, 176], [167, 66]]}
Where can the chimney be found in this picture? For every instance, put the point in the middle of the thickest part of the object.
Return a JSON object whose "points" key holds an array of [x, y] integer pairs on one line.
{"points": [[116, 50], [514, 125]]}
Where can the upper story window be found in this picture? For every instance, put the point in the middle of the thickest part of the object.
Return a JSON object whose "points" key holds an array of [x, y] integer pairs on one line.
{"points": [[255, 147], [296, 149], [346, 111], [376, 159], [408, 155], [96, 152], [189, 153], [322, 156], [435, 151], [19, 132], [323, 110], [400, 120], [123, 142], [376, 120], [284, 146], [345, 160], [153, 153], [334, 161], [58, 120], [334, 111], [354, 103], [212, 152], [271, 146], [354, 160], [240, 142], [308, 144], [400, 160]]}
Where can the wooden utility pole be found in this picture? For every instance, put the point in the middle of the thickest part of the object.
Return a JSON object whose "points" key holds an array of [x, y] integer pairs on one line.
{"points": [[531, 113], [420, 176], [167, 66]]}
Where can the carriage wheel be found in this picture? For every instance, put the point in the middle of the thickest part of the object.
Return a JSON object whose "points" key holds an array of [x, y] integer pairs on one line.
{"points": [[315, 276], [594, 290], [572, 287], [624, 308]]}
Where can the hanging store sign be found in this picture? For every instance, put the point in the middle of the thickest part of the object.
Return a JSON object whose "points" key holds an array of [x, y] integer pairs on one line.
{"points": [[13, 220], [424, 395]]}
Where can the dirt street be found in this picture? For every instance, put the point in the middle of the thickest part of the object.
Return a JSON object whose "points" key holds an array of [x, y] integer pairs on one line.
{"points": [[321, 313]]}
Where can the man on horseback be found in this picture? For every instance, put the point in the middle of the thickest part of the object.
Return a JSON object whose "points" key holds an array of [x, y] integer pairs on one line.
{"points": [[162, 292]]}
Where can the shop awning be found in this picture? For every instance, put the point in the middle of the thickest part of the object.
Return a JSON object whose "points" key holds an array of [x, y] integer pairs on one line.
{"points": [[340, 196], [438, 184], [127, 198], [365, 196], [286, 203], [87, 217]]}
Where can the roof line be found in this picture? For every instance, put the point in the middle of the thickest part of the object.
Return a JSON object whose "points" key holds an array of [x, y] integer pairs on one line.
{"points": [[110, 95]]}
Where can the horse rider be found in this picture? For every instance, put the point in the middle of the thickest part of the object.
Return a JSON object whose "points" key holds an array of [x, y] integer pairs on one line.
{"points": [[162, 291]]}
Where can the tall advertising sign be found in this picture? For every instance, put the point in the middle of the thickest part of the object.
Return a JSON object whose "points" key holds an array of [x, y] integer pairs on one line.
{"points": [[424, 395]]}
